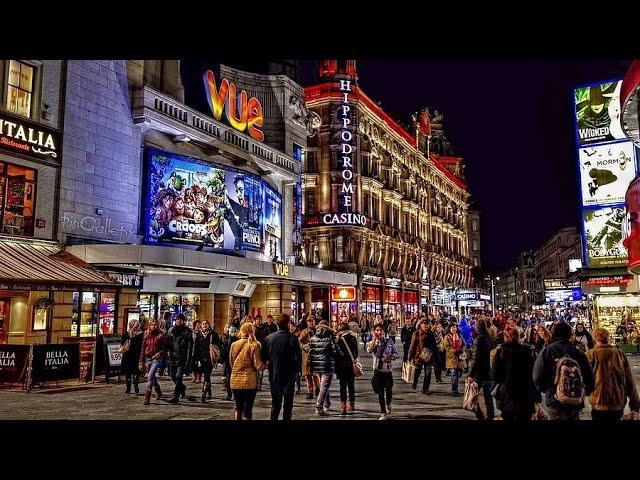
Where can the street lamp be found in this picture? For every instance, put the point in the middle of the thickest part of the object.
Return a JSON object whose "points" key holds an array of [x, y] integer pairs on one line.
{"points": [[493, 295]]}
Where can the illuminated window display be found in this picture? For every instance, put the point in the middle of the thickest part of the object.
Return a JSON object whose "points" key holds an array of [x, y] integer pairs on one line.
{"points": [[343, 303], [176, 303], [372, 300], [612, 310], [19, 88], [17, 199], [94, 313]]}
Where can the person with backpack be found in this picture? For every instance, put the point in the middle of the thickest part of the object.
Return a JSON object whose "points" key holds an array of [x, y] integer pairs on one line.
{"points": [[348, 352], [322, 354], [384, 353], [563, 373], [511, 372], [480, 371], [421, 354], [613, 381], [283, 356]]}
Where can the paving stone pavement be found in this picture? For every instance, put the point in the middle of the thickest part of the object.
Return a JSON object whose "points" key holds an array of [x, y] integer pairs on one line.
{"points": [[109, 402]]}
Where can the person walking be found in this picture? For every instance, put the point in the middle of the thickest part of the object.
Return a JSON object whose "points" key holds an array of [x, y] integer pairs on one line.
{"points": [[132, 341], [406, 335], [348, 348], [152, 353], [273, 328], [322, 353], [423, 339], [195, 366], [180, 349], [582, 338], [245, 362], [512, 374], [384, 353], [393, 330], [207, 340], [454, 346], [614, 382], [229, 336], [439, 361], [307, 373], [262, 330], [480, 371], [573, 382], [165, 325], [282, 354]]}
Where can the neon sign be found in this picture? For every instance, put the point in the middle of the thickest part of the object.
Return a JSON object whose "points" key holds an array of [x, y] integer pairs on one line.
{"points": [[242, 112]]}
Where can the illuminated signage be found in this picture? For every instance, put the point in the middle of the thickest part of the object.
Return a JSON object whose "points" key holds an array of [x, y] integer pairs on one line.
{"points": [[468, 296], [343, 294], [604, 237], [606, 172], [281, 269], [242, 113], [346, 147], [344, 219], [598, 113], [610, 280], [574, 265], [564, 295], [22, 136], [632, 221], [394, 282]]}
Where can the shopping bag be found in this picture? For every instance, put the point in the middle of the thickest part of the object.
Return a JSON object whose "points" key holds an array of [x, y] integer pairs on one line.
{"points": [[408, 372], [470, 400]]}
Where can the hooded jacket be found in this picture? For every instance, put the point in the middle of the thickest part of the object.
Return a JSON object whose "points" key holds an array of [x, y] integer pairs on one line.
{"points": [[180, 345], [322, 350]]}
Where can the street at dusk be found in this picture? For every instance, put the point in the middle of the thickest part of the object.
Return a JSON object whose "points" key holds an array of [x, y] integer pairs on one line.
{"points": [[207, 239]]}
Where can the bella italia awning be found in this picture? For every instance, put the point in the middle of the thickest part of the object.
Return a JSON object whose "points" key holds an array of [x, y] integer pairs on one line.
{"points": [[40, 263]]}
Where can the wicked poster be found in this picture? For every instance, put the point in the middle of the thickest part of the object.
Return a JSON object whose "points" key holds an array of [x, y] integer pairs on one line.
{"points": [[598, 113]]}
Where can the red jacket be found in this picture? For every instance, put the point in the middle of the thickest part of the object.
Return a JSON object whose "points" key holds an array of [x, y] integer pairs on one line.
{"points": [[153, 345]]}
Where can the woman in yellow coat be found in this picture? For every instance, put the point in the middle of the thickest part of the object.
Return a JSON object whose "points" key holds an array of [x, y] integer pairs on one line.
{"points": [[245, 362], [453, 346]]}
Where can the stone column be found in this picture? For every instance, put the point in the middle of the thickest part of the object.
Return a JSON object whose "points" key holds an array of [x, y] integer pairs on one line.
{"points": [[221, 306], [206, 310], [307, 300]]}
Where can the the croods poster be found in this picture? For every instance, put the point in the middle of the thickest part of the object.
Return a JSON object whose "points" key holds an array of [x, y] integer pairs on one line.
{"points": [[195, 202]]}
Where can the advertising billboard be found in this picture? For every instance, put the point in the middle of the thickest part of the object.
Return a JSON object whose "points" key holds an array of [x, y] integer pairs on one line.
{"points": [[604, 238], [193, 202], [564, 295], [606, 172], [598, 113]]}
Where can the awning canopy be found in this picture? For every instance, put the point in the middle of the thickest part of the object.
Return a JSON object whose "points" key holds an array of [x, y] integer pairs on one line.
{"points": [[46, 263]]}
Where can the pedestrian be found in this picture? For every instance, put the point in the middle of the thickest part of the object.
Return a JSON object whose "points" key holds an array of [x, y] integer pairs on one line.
{"points": [[245, 362], [439, 360], [582, 338], [614, 382], [511, 372], [348, 352], [205, 342], [406, 334], [152, 355], [295, 331], [304, 339], [384, 352], [322, 353], [262, 330], [393, 331], [480, 371], [573, 382], [229, 336], [132, 341], [422, 339], [543, 338], [196, 364], [466, 332], [271, 325], [282, 354], [454, 347], [165, 325], [180, 350]]}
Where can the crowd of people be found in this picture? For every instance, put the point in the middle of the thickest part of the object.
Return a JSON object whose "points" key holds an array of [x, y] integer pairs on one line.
{"points": [[511, 361]]}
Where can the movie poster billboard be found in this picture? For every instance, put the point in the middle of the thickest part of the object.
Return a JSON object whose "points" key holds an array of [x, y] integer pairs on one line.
{"points": [[598, 113], [193, 202], [604, 237], [272, 223], [606, 172]]}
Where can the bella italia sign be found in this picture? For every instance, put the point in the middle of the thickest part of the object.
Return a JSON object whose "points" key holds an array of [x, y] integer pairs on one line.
{"points": [[18, 135]]}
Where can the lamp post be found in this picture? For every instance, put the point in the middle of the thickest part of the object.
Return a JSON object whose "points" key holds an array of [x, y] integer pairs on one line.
{"points": [[493, 295]]}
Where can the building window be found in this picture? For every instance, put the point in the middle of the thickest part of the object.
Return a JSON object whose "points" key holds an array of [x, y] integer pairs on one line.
{"points": [[365, 201], [312, 162], [310, 202], [315, 256], [339, 249], [474, 225], [17, 199], [19, 88], [375, 208], [476, 247]]}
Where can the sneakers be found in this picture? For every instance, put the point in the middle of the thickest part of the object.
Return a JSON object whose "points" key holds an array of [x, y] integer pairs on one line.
{"points": [[321, 412], [384, 416], [309, 396]]}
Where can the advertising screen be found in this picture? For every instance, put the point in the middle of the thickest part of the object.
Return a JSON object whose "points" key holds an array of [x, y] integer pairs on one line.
{"points": [[598, 113], [604, 237], [606, 172], [189, 201], [563, 295]]}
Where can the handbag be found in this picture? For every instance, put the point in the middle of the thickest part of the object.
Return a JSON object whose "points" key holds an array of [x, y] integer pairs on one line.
{"points": [[470, 400], [124, 348], [357, 366], [408, 372], [425, 355]]}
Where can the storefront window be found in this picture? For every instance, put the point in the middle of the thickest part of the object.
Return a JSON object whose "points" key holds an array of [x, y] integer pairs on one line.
{"points": [[175, 303], [107, 313], [147, 303], [19, 88], [17, 199], [93, 313]]}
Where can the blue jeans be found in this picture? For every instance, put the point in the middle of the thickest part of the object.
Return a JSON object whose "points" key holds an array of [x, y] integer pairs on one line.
{"points": [[152, 367], [455, 373], [177, 372], [325, 383]]}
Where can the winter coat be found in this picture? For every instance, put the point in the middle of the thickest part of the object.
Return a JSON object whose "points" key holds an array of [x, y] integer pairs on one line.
{"points": [[201, 348], [511, 372], [322, 351], [225, 351], [481, 354], [344, 365], [466, 331], [453, 355], [613, 380], [382, 360], [131, 358], [544, 370], [154, 345], [282, 351], [245, 362], [305, 337], [180, 346], [419, 341], [406, 334]]}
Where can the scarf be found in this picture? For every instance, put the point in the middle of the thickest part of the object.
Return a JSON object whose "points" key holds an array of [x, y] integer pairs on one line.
{"points": [[134, 327], [456, 342]]}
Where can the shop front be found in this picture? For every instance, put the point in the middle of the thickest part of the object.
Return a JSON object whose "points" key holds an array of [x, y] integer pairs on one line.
{"points": [[614, 300], [443, 300], [411, 298], [392, 303], [425, 298], [344, 303], [371, 295]]}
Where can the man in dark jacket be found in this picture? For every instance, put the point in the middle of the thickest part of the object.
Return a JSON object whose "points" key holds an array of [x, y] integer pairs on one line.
{"points": [[322, 353], [406, 334], [281, 351], [180, 349], [271, 325], [481, 369], [544, 372]]}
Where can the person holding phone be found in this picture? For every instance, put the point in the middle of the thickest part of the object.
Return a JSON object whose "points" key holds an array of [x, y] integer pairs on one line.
{"points": [[384, 353]]}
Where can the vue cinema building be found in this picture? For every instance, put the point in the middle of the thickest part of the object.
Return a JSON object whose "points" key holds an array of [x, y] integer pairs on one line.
{"points": [[383, 203]]}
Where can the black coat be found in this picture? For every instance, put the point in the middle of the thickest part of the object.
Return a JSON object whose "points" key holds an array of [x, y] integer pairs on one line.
{"points": [[322, 351], [481, 368], [180, 346], [344, 365], [131, 358], [282, 350], [225, 350], [201, 352], [512, 372], [406, 333]]}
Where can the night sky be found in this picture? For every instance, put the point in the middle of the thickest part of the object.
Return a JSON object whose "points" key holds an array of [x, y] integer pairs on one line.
{"points": [[512, 121]]}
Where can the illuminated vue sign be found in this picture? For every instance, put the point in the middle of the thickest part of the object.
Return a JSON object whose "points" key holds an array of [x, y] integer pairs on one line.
{"points": [[242, 113], [193, 202], [598, 113], [29, 138]]}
